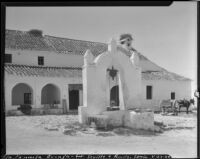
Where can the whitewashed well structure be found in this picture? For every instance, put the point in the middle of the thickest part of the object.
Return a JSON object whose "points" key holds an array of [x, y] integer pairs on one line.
{"points": [[113, 68]]}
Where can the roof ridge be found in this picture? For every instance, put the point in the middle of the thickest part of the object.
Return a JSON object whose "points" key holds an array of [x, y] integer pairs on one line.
{"points": [[60, 67], [182, 76], [75, 39], [57, 36], [7, 30]]}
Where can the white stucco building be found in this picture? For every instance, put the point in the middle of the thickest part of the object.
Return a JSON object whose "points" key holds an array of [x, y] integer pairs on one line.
{"points": [[46, 72]]}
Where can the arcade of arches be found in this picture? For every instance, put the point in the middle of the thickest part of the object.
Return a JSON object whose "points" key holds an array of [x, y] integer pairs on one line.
{"points": [[22, 94]]}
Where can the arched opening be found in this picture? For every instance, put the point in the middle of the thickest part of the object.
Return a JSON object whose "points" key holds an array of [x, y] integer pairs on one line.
{"points": [[50, 95], [114, 96], [22, 94]]}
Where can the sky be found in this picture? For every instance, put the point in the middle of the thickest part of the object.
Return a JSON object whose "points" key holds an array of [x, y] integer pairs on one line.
{"points": [[165, 35]]}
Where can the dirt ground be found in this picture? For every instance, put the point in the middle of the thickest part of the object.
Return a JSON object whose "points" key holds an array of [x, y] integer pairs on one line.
{"points": [[62, 134]]}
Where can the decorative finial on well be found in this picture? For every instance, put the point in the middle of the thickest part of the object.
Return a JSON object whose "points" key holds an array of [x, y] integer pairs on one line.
{"points": [[88, 57], [135, 59], [112, 46], [126, 41]]}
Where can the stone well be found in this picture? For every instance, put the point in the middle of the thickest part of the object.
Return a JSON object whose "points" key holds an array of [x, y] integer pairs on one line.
{"points": [[112, 79]]}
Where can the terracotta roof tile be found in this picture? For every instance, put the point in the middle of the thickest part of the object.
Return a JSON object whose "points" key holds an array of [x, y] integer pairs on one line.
{"points": [[26, 70], [24, 40], [64, 45], [162, 75]]}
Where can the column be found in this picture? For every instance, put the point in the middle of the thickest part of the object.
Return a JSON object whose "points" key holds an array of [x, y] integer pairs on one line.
{"points": [[80, 97], [67, 96]]}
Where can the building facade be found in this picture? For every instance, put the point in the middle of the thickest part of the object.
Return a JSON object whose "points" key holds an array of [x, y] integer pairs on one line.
{"points": [[46, 72]]}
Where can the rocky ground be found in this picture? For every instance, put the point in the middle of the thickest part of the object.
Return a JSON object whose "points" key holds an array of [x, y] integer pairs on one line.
{"points": [[62, 134]]}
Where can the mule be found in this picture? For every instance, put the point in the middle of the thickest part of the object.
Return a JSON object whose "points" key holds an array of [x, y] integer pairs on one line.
{"points": [[185, 103]]}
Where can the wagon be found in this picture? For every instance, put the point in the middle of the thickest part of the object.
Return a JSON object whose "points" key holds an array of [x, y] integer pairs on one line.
{"points": [[168, 105]]}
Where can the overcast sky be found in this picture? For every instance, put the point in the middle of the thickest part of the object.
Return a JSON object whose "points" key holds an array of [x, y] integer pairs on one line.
{"points": [[166, 35]]}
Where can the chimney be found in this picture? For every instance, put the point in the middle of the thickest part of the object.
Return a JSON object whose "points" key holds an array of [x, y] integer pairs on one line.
{"points": [[36, 32]]}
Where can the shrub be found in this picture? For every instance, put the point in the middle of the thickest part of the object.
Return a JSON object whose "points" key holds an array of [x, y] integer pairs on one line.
{"points": [[25, 108], [37, 112]]}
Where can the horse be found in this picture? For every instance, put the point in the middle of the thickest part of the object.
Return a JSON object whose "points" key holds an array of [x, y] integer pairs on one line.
{"points": [[185, 103]]}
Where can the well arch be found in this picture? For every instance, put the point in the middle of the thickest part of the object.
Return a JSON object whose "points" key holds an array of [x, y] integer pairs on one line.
{"points": [[96, 80]]}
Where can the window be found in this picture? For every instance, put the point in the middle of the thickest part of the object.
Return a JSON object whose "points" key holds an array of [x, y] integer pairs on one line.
{"points": [[8, 58], [40, 60], [149, 92], [172, 95]]}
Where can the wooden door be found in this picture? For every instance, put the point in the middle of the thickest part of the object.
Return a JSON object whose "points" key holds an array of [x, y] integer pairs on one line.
{"points": [[27, 98]]}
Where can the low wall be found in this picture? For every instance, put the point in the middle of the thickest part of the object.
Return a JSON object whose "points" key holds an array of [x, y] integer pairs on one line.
{"points": [[36, 111], [127, 118], [53, 111], [14, 112], [154, 105], [143, 120], [82, 114], [115, 118]]}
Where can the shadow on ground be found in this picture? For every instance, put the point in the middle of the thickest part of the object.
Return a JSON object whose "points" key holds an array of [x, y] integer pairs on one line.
{"points": [[77, 129], [163, 123]]}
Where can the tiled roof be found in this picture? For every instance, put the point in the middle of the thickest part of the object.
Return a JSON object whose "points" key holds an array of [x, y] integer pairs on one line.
{"points": [[64, 45], [163, 75], [42, 71], [24, 40]]}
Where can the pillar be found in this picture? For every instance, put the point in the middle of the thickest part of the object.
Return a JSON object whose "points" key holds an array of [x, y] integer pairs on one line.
{"points": [[80, 97]]}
